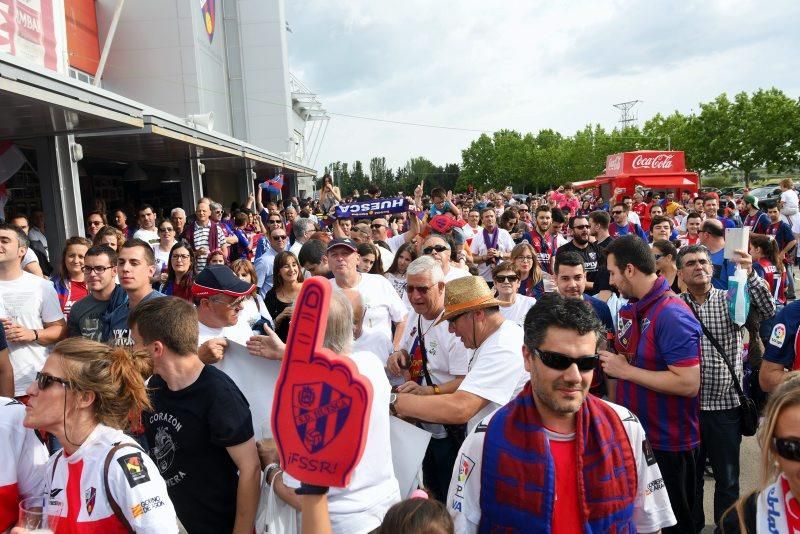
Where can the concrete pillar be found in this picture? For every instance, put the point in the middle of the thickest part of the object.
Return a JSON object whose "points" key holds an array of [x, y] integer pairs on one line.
{"points": [[192, 183], [61, 192]]}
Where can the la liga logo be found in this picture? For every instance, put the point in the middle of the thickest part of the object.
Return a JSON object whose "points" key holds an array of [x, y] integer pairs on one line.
{"points": [[209, 10]]}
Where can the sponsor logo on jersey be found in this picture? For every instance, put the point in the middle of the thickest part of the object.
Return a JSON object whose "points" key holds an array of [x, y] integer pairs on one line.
{"points": [[778, 335], [89, 497], [134, 468], [320, 412], [645, 324], [465, 467], [146, 505]]}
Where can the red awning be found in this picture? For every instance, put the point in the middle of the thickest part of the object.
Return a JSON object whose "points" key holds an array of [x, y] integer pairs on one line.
{"points": [[663, 181]]}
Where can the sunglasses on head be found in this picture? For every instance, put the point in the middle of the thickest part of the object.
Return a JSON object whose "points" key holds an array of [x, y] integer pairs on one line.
{"points": [[437, 248], [788, 448], [44, 381], [561, 362], [503, 278]]}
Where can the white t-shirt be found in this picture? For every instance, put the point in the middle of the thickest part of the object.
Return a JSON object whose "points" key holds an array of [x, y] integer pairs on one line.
{"points": [[29, 301], [395, 242], [375, 342], [634, 218], [148, 236], [504, 244], [162, 259], [398, 282], [652, 509], [387, 257], [496, 370], [22, 455], [359, 508], [383, 306], [516, 312], [447, 357], [28, 258]]}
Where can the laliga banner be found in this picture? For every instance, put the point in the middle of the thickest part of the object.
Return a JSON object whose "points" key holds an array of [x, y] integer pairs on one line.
{"points": [[372, 208], [322, 403], [28, 31]]}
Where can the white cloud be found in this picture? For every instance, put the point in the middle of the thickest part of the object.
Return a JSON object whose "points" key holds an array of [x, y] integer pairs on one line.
{"points": [[525, 65]]}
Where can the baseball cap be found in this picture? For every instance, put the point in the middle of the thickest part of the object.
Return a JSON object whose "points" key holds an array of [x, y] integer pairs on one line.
{"points": [[750, 199], [342, 242], [220, 280]]}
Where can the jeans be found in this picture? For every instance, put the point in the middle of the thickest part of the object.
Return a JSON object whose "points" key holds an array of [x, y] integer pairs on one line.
{"points": [[437, 466], [721, 438], [678, 471]]}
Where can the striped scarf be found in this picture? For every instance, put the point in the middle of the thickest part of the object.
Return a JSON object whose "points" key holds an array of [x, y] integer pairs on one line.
{"points": [[518, 473]]}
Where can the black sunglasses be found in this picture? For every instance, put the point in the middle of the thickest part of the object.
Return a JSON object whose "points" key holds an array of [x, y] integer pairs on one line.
{"points": [[437, 248], [376, 226], [275, 221], [44, 381], [503, 278], [423, 290], [560, 362], [281, 237], [788, 448], [615, 212]]}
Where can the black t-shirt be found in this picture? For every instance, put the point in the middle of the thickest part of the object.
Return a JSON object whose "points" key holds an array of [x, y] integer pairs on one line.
{"points": [[604, 243], [275, 307], [189, 431], [594, 262]]}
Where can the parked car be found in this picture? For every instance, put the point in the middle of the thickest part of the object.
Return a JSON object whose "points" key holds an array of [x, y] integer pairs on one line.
{"points": [[766, 192]]}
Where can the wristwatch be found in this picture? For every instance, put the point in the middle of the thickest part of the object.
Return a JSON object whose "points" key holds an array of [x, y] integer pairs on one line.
{"points": [[392, 401]]}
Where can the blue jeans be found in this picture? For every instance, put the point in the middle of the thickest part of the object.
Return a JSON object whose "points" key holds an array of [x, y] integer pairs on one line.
{"points": [[721, 438]]}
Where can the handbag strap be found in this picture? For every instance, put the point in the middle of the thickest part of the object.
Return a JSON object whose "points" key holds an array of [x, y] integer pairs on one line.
{"points": [[737, 386], [111, 501]]}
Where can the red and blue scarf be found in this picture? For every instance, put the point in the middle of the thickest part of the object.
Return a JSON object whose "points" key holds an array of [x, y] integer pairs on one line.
{"points": [[518, 476]]}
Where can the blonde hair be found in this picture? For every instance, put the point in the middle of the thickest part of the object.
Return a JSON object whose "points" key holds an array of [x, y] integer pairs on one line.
{"points": [[536, 270], [115, 375]]}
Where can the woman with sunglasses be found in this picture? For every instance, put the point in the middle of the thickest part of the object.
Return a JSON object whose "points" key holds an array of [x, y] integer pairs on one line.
{"points": [[509, 221], [775, 508], [531, 283], [506, 285], [180, 272], [287, 281], [666, 255], [69, 279], [86, 395], [397, 270], [166, 240]]}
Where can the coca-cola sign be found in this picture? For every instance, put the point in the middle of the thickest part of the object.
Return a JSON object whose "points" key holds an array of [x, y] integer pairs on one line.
{"points": [[645, 162], [661, 161]]}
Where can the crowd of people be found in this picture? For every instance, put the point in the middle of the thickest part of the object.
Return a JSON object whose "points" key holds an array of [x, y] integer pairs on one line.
{"points": [[577, 361]]}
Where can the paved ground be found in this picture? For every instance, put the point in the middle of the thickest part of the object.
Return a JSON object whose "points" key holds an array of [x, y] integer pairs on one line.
{"points": [[749, 479]]}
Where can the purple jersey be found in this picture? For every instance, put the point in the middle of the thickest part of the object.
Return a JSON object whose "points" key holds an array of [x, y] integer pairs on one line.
{"points": [[668, 335]]}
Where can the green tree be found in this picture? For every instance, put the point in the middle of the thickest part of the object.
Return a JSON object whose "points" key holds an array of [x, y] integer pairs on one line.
{"points": [[477, 165]]}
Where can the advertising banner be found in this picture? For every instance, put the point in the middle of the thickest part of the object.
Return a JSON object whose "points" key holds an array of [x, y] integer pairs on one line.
{"points": [[28, 31]]}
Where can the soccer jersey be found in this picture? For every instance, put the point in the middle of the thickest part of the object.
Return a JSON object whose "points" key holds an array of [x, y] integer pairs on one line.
{"points": [[783, 235], [783, 344], [630, 228], [757, 223], [668, 335], [777, 281]]}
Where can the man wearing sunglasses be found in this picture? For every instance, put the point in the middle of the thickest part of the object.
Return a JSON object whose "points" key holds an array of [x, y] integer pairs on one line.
{"points": [[536, 465], [433, 361], [29, 310], [657, 367], [264, 265], [380, 229], [594, 261], [620, 225]]}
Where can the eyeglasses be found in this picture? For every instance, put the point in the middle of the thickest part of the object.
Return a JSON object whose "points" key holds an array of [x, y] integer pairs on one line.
{"points": [[377, 226], [232, 305], [98, 269], [561, 362], [580, 227], [166, 229], [503, 278], [658, 256], [280, 237], [275, 221], [437, 248], [95, 223], [423, 290], [616, 212], [183, 257], [44, 381], [525, 258], [788, 448]]}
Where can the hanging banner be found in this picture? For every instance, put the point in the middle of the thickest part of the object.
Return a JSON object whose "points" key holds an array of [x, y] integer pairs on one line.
{"points": [[28, 31]]}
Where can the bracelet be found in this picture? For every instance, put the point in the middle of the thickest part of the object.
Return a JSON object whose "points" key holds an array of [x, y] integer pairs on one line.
{"points": [[36, 335], [436, 390]]}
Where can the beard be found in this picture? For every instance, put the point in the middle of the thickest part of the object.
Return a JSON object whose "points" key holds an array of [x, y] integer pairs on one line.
{"points": [[548, 396]]}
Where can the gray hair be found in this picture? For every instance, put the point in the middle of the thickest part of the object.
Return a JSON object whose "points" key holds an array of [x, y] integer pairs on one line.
{"points": [[339, 331], [426, 265], [690, 249], [215, 206], [301, 226], [176, 211]]}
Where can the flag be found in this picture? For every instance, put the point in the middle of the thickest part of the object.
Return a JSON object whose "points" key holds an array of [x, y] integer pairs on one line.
{"points": [[11, 160], [273, 186]]}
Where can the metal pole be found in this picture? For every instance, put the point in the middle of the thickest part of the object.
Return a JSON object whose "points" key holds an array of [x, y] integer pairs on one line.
{"points": [[112, 29]]}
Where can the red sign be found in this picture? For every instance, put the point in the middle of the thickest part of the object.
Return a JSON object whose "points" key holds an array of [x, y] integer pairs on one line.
{"points": [[322, 403], [27, 31], [645, 162]]}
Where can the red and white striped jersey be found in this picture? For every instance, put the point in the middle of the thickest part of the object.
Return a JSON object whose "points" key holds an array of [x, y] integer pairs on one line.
{"points": [[22, 461], [77, 485]]}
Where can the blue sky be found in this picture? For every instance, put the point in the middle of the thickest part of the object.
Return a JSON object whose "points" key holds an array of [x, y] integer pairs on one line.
{"points": [[525, 65]]}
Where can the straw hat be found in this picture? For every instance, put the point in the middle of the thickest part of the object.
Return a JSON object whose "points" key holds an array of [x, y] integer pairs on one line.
{"points": [[467, 294]]}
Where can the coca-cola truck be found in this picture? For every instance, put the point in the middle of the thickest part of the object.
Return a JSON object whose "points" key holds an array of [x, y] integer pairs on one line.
{"points": [[654, 170]]}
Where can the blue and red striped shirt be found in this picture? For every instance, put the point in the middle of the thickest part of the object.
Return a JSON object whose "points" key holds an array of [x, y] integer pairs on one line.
{"points": [[665, 333]]}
